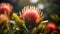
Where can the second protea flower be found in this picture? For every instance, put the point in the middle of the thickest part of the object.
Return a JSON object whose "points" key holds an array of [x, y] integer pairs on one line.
{"points": [[51, 26], [5, 19], [5, 7], [32, 13]]}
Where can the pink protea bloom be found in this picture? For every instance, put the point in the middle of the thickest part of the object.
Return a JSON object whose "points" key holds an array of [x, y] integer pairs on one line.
{"points": [[51, 26], [32, 13], [5, 7], [3, 18]]}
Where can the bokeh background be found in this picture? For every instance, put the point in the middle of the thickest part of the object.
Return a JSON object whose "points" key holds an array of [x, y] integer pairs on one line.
{"points": [[51, 5]]}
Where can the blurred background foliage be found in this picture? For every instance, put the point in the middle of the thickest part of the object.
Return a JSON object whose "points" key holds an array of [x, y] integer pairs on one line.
{"points": [[50, 6]]}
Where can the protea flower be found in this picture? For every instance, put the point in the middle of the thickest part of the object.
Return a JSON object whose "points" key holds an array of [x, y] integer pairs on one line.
{"points": [[5, 7], [51, 27], [32, 13], [5, 19]]}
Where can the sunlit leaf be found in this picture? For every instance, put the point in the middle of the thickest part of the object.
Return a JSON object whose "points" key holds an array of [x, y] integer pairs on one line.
{"points": [[17, 20]]}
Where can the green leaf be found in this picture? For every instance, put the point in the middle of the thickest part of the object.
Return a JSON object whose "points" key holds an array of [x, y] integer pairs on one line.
{"points": [[38, 30], [17, 20], [26, 22], [47, 32], [9, 29], [39, 21], [54, 16], [19, 23]]}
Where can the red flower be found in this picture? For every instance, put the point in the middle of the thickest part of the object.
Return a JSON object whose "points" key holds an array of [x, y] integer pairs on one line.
{"points": [[51, 26], [32, 13], [5, 7]]}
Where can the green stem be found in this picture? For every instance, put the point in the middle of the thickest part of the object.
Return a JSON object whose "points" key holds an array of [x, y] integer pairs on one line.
{"points": [[9, 31], [2, 29], [26, 29]]}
